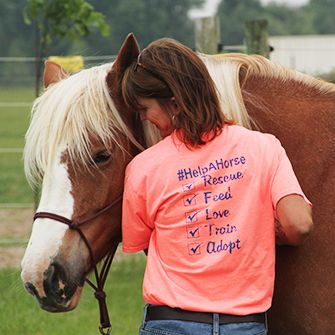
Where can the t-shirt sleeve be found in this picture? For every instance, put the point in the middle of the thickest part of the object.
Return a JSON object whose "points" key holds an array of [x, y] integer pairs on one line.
{"points": [[284, 181], [136, 230]]}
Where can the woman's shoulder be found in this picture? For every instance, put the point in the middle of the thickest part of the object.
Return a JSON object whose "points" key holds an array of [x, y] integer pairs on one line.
{"points": [[151, 157], [251, 137]]}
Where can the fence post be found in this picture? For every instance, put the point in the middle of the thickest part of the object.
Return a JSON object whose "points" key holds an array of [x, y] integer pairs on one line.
{"points": [[207, 34], [256, 38]]}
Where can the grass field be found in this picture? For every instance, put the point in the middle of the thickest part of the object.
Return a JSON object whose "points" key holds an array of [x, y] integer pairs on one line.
{"points": [[13, 125], [20, 313]]}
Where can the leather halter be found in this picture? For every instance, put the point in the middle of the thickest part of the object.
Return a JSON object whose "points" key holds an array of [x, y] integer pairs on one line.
{"points": [[105, 325]]}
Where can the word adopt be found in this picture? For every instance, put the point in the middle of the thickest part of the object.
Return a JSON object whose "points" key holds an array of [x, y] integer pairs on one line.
{"points": [[216, 247]]}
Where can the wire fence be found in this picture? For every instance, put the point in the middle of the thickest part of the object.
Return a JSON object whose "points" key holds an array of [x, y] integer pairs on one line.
{"points": [[17, 80]]}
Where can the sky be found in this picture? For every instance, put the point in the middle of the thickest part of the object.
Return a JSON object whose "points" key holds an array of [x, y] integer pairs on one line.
{"points": [[210, 6]]}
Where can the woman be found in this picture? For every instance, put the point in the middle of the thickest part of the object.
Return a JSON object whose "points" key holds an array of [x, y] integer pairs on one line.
{"points": [[203, 201]]}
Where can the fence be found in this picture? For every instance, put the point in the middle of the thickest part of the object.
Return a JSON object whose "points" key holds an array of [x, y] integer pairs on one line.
{"points": [[17, 93], [17, 79]]}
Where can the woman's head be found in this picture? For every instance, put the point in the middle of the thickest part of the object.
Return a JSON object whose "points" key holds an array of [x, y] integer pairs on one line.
{"points": [[178, 80]]}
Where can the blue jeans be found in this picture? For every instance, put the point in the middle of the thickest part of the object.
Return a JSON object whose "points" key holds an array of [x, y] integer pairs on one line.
{"points": [[174, 327]]}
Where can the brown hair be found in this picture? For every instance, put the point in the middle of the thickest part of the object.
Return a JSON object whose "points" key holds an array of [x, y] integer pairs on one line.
{"points": [[166, 69]]}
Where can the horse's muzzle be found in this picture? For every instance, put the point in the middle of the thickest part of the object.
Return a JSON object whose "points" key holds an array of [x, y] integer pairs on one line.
{"points": [[60, 292]]}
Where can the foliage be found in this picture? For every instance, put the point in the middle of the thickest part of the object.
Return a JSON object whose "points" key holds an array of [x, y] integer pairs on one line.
{"points": [[322, 15], [147, 19], [151, 19], [313, 18], [233, 15], [63, 18], [58, 19], [15, 36], [284, 20]]}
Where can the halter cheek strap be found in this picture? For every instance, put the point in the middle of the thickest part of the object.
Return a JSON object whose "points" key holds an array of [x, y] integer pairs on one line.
{"points": [[105, 325]]}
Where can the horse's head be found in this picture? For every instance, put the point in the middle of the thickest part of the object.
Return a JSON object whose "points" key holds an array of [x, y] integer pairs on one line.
{"points": [[78, 144]]}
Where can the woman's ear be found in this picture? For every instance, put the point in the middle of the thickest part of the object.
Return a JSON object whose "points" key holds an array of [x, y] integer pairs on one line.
{"points": [[174, 106]]}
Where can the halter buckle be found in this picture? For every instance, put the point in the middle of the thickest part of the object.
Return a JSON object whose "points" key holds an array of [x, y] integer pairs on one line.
{"points": [[105, 330]]}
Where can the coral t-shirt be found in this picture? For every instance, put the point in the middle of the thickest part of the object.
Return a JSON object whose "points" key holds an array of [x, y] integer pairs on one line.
{"points": [[207, 217]]}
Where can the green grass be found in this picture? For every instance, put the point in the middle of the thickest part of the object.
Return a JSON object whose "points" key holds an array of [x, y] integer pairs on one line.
{"points": [[14, 187], [18, 94], [14, 122], [20, 314]]}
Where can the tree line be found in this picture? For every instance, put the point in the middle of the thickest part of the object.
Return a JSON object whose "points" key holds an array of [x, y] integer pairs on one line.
{"points": [[316, 17], [152, 19]]}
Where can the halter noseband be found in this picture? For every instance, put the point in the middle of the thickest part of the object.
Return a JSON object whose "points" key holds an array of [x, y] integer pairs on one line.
{"points": [[105, 325]]}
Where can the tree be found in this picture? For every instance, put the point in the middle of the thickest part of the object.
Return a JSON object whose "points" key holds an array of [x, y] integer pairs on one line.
{"points": [[147, 19], [58, 19], [285, 20], [282, 19], [233, 15], [322, 13]]}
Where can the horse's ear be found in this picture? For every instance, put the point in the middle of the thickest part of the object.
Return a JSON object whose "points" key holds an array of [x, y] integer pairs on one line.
{"points": [[53, 73], [128, 52]]}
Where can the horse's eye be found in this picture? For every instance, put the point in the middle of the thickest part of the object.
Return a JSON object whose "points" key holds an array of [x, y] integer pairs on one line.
{"points": [[101, 157]]}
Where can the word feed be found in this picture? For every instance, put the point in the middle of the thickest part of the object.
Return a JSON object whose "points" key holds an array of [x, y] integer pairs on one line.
{"points": [[208, 192]]}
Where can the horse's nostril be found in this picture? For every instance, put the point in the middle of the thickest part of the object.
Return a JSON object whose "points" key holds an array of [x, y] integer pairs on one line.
{"points": [[31, 289], [54, 281]]}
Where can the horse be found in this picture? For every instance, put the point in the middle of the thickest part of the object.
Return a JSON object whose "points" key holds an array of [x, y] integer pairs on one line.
{"points": [[81, 137]]}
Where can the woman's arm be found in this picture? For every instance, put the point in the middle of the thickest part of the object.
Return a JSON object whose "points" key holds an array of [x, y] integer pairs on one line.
{"points": [[294, 220]]}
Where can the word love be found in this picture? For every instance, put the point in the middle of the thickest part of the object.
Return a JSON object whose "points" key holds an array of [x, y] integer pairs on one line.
{"points": [[218, 197], [217, 247], [219, 214]]}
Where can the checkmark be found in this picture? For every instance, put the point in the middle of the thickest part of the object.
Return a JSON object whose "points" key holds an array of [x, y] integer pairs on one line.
{"points": [[188, 187], [190, 199], [193, 231], [191, 216], [194, 249]]}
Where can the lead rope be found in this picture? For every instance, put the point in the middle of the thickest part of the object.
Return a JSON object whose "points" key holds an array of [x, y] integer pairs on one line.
{"points": [[105, 327], [99, 293]]}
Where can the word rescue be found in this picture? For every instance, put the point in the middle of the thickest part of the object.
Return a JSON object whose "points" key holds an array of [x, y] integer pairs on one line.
{"points": [[218, 164]]}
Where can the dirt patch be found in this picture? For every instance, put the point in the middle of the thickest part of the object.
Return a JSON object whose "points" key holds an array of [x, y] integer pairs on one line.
{"points": [[15, 228], [11, 257], [16, 223]]}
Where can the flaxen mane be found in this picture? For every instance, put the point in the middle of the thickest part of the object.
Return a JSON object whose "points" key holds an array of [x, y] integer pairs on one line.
{"points": [[75, 110], [226, 69], [71, 113]]}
